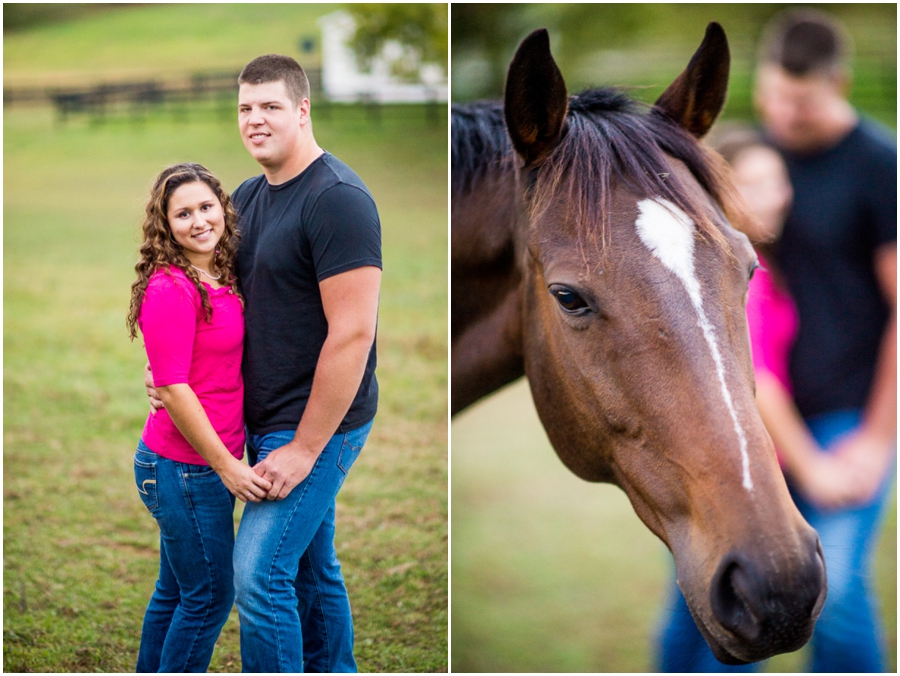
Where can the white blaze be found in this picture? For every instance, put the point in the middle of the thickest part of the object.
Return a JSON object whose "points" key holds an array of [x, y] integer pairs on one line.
{"points": [[668, 233]]}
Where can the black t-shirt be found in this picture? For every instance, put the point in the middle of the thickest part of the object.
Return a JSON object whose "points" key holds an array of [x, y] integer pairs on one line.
{"points": [[845, 208], [319, 224]]}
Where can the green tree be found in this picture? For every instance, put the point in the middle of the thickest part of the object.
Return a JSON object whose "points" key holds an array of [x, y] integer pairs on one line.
{"points": [[420, 30]]}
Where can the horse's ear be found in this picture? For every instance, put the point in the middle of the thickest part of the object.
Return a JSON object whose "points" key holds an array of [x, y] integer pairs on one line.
{"points": [[696, 97], [536, 99]]}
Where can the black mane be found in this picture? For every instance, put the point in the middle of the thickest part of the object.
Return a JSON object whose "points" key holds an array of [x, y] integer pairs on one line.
{"points": [[609, 138], [478, 141]]}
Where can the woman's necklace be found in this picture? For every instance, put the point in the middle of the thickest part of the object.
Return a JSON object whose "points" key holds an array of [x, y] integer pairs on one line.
{"points": [[204, 272]]}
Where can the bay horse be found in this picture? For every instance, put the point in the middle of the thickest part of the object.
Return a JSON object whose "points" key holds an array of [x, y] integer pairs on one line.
{"points": [[592, 251]]}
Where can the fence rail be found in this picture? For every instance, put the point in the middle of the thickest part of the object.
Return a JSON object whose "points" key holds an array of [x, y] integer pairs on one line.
{"points": [[137, 96]]}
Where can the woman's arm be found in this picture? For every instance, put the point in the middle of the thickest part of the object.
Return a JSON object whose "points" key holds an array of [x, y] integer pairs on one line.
{"points": [[191, 420], [820, 478]]}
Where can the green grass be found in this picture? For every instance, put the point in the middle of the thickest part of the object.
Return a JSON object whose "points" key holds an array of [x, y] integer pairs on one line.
{"points": [[552, 573], [80, 551], [165, 38]]}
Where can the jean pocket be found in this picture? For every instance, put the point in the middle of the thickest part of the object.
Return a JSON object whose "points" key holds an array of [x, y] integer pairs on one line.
{"points": [[351, 447], [145, 479]]}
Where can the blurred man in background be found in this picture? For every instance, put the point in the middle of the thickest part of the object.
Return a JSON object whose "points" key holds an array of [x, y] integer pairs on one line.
{"points": [[838, 254]]}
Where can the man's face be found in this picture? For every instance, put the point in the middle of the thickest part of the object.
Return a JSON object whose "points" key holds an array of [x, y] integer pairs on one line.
{"points": [[796, 110], [270, 123]]}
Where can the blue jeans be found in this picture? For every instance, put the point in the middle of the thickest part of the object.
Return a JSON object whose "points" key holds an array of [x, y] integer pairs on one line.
{"points": [[848, 636], [294, 609], [195, 589]]}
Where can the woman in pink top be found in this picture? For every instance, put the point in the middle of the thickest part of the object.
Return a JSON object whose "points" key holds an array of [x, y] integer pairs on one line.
{"points": [[188, 465], [761, 178]]}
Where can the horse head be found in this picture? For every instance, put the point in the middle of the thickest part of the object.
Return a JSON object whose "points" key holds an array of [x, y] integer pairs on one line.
{"points": [[634, 338]]}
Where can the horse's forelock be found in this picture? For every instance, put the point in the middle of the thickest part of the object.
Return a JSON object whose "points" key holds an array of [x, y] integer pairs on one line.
{"points": [[612, 139]]}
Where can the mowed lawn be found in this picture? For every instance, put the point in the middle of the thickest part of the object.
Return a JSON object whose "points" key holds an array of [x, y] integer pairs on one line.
{"points": [[80, 550], [552, 573]]}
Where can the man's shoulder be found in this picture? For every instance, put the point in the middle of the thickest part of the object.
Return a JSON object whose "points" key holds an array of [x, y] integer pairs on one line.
{"points": [[333, 173], [247, 188], [876, 140]]}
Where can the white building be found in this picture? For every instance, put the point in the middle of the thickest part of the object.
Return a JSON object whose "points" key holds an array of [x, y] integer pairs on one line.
{"points": [[342, 80]]}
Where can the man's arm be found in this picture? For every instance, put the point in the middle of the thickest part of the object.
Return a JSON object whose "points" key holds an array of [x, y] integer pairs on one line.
{"points": [[350, 302], [869, 452]]}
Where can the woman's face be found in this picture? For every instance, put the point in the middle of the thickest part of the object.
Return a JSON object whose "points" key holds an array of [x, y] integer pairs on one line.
{"points": [[197, 221], [762, 179]]}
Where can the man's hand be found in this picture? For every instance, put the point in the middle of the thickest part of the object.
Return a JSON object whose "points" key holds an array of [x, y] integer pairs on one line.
{"points": [[286, 467], [155, 402]]}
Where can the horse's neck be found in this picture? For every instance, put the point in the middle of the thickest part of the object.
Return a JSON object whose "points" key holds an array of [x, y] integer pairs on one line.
{"points": [[485, 279], [482, 249]]}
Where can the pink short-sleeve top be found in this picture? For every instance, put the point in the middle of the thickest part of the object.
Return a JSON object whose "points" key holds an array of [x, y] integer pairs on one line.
{"points": [[183, 347], [773, 321]]}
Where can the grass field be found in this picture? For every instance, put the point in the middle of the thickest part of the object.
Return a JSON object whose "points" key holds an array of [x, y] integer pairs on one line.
{"points": [[551, 573], [80, 550], [155, 39]]}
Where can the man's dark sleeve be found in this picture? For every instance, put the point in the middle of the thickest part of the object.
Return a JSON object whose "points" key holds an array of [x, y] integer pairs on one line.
{"points": [[344, 231]]}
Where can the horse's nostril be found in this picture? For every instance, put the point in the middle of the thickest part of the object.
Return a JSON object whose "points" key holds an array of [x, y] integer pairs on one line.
{"points": [[772, 609], [729, 596]]}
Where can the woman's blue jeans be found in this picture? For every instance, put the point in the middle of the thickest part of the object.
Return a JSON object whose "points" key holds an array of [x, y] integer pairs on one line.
{"points": [[195, 589], [293, 605], [848, 636]]}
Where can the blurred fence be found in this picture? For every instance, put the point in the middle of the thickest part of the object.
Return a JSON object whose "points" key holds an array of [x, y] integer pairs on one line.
{"points": [[136, 98], [216, 91], [647, 69]]}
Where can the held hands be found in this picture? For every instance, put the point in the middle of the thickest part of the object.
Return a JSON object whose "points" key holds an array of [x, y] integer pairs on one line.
{"points": [[865, 458], [823, 481], [245, 484], [850, 475], [286, 467]]}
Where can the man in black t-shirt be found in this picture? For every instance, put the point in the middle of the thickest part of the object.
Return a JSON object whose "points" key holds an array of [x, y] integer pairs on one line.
{"points": [[309, 268]]}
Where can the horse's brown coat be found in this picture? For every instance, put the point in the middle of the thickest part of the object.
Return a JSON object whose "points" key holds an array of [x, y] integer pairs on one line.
{"points": [[551, 279]]}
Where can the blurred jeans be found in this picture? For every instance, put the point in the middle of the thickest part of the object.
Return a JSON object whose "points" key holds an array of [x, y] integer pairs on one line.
{"points": [[195, 590], [294, 609], [848, 636]]}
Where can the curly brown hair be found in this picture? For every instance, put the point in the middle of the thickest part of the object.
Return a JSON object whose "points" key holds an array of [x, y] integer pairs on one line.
{"points": [[159, 250]]}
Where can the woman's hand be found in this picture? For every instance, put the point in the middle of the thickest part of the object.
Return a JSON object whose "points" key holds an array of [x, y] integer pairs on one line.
{"points": [[245, 484]]}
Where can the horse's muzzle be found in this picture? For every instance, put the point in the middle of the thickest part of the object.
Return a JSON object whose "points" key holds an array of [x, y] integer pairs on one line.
{"points": [[768, 609]]}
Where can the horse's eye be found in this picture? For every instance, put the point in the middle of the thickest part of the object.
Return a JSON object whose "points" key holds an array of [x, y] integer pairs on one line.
{"points": [[568, 300]]}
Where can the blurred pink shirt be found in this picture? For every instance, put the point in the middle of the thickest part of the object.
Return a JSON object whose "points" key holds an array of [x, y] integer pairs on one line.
{"points": [[183, 347], [773, 321]]}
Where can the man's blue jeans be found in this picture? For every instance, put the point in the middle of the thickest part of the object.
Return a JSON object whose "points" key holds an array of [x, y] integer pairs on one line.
{"points": [[848, 636], [195, 589], [293, 605]]}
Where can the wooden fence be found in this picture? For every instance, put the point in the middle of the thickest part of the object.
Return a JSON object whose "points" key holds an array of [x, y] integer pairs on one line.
{"points": [[136, 98]]}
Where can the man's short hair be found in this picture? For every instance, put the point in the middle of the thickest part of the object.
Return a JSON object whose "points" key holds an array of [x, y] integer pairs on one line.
{"points": [[805, 42], [275, 68]]}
